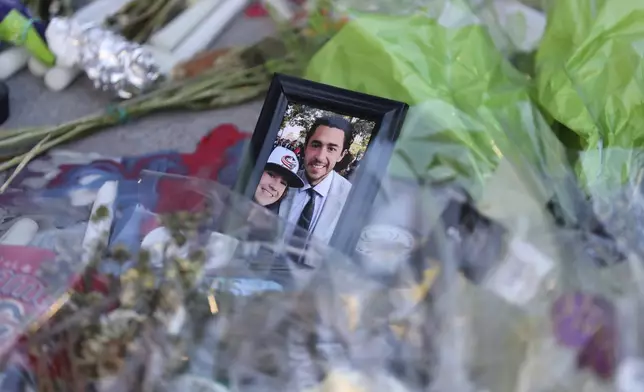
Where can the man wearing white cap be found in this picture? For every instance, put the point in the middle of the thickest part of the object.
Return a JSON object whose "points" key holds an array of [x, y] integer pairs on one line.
{"points": [[279, 174], [316, 206]]}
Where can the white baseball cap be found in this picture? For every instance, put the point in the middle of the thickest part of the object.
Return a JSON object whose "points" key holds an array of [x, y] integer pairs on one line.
{"points": [[284, 162]]}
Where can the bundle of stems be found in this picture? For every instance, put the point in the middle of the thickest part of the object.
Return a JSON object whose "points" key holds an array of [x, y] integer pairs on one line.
{"points": [[139, 19], [215, 88]]}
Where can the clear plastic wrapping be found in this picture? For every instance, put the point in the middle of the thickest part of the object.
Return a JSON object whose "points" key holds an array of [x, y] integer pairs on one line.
{"points": [[40, 259], [190, 284], [194, 284], [531, 304]]}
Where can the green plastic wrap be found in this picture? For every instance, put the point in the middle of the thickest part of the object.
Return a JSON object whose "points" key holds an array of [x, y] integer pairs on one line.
{"points": [[469, 107], [590, 77]]}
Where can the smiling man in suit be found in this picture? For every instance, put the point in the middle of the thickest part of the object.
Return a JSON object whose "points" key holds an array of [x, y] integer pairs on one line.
{"points": [[316, 207]]}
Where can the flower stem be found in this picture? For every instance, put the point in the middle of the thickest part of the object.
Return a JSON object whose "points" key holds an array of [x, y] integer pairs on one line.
{"points": [[28, 156]]}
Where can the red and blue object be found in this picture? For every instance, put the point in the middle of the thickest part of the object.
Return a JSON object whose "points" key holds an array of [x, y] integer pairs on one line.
{"points": [[217, 158]]}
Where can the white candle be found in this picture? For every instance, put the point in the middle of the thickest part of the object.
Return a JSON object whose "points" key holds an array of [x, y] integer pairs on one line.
{"points": [[59, 78], [20, 233], [170, 36], [12, 60], [209, 29], [37, 68], [98, 10], [98, 230]]}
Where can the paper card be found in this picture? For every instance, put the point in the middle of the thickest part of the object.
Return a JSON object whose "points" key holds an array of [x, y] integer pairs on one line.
{"points": [[23, 296], [520, 275]]}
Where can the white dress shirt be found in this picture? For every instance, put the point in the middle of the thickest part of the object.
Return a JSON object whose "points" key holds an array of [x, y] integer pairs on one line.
{"points": [[301, 198]]}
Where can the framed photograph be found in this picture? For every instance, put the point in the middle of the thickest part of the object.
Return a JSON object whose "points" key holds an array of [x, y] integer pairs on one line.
{"points": [[313, 156]]}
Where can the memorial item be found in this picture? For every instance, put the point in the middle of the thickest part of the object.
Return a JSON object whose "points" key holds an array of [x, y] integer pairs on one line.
{"points": [[170, 31], [320, 125], [61, 74]]}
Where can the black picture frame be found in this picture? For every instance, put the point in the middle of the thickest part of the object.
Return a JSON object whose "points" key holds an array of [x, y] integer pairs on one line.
{"points": [[387, 114]]}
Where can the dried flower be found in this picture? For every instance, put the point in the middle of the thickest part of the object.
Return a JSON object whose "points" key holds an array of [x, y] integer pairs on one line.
{"points": [[102, 213], [120, 254]]}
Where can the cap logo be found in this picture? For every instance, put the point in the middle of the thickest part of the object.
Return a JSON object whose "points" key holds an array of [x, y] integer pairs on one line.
{"points": [[289, 162]]}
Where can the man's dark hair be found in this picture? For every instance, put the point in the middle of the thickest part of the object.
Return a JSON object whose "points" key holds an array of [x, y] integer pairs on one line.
{"points": [[332, 122]]}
